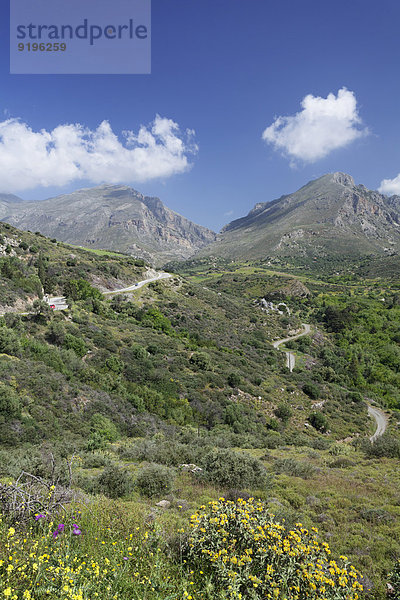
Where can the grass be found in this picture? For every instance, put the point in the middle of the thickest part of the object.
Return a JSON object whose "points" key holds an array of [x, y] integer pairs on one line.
{"points": [[356, 509], [100, 252], [190, 361]]}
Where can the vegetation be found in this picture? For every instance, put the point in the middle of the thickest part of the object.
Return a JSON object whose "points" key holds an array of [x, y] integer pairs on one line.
{"points": [[174, 392], [238, 549]]}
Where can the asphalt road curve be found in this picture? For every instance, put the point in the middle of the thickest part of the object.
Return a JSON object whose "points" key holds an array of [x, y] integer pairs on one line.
{"points": [[290, 357]]}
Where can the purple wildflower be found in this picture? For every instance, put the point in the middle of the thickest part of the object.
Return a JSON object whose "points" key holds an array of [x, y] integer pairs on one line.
{"points": [[76, 530], [59, 530], [37, 517]]}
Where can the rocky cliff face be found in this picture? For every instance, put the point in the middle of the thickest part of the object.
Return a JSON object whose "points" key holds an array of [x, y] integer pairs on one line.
{"points": [[111, 217], [329, 216]]}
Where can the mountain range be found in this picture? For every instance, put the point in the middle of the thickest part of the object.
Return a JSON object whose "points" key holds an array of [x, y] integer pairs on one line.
{"points": [[329, 216], [112, 217]]}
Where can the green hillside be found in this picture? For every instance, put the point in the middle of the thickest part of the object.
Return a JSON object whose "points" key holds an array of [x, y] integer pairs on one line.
{"points": [[108, 399]]}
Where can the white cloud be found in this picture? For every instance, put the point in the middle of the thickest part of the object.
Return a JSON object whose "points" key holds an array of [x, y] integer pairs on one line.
{"points": [[71, 152], [390, 186], [323, 125]]}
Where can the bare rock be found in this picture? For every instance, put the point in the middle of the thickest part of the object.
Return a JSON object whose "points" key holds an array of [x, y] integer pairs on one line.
{"points": [[164, 504]]}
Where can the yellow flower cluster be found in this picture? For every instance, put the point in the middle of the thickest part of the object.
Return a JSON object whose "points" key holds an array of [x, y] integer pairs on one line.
{"points": [[243, 550], [33, 565]]}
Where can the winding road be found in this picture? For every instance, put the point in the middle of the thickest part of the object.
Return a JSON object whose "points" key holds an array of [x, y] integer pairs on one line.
{"points": [[381, 421], [373, 411], [60, 302], [290, 357]]}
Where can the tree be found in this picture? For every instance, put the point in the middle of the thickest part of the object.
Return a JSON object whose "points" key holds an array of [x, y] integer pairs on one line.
{"points": [[42, 310], [201, 360], [233, 379], [318, 421], [9, 401], [80, 289], [283, 412], [41, 269]]}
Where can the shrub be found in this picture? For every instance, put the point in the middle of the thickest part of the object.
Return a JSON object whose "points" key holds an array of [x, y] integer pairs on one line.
{"points": [[386, 445], [290, 466], [394, 580], [105, 428], [237, 550], [165, 452], [154, 480], [138, 352], [312, 390], [94, 460], [10, 405], [72, 342], [9, 342], [201, 361], [115, 482], [234, 495], [283, 412], [233, 379], [318, 421], [341, 463], [272, 440], [115, 364], [80, 289], [227, 469]]}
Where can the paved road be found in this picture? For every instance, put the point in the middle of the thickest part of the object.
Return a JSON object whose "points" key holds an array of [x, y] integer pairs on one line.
{"points": [[373, 411], [60, 303], [381, 421], [140, 284], [290, 357]]}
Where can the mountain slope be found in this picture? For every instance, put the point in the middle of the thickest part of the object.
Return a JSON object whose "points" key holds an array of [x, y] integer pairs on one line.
{"points": [[111, 217], [328, 216]]}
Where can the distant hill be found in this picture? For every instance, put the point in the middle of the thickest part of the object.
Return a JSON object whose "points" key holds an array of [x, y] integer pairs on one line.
{"points": [[110, 217], [330, 216]]}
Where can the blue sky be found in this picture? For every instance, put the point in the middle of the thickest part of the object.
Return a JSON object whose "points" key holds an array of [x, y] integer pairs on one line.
{"points": [[227, 69]]}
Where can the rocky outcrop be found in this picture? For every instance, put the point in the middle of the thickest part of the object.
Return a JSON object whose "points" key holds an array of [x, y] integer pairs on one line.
{"points": [[114, 218], [328, 216]]}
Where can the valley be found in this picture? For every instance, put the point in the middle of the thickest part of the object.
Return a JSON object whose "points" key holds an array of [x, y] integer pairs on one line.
{"points": [[146, 395]]}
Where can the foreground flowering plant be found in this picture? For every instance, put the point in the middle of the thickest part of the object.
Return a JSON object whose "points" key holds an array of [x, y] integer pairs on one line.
{"points": [[106, 552], [239, 548]]}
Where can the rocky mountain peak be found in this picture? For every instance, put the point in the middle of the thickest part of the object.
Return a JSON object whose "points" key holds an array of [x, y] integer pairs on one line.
{"points": [[343, 179], [329, 216], [113, 217]]}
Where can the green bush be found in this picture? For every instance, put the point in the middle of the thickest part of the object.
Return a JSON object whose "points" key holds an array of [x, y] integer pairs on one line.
{"points": [[80, 289], [237, 550], [104, 427], [201, 360], [233, 379], [154, 480], [115, 482], [293, 467], [394, 580], [72, 342], [10, 405], [283, 412], [227, 468], [94, 460], [386, 445], [312, 390], [318, 421], [165, 452], [114, 364]]}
